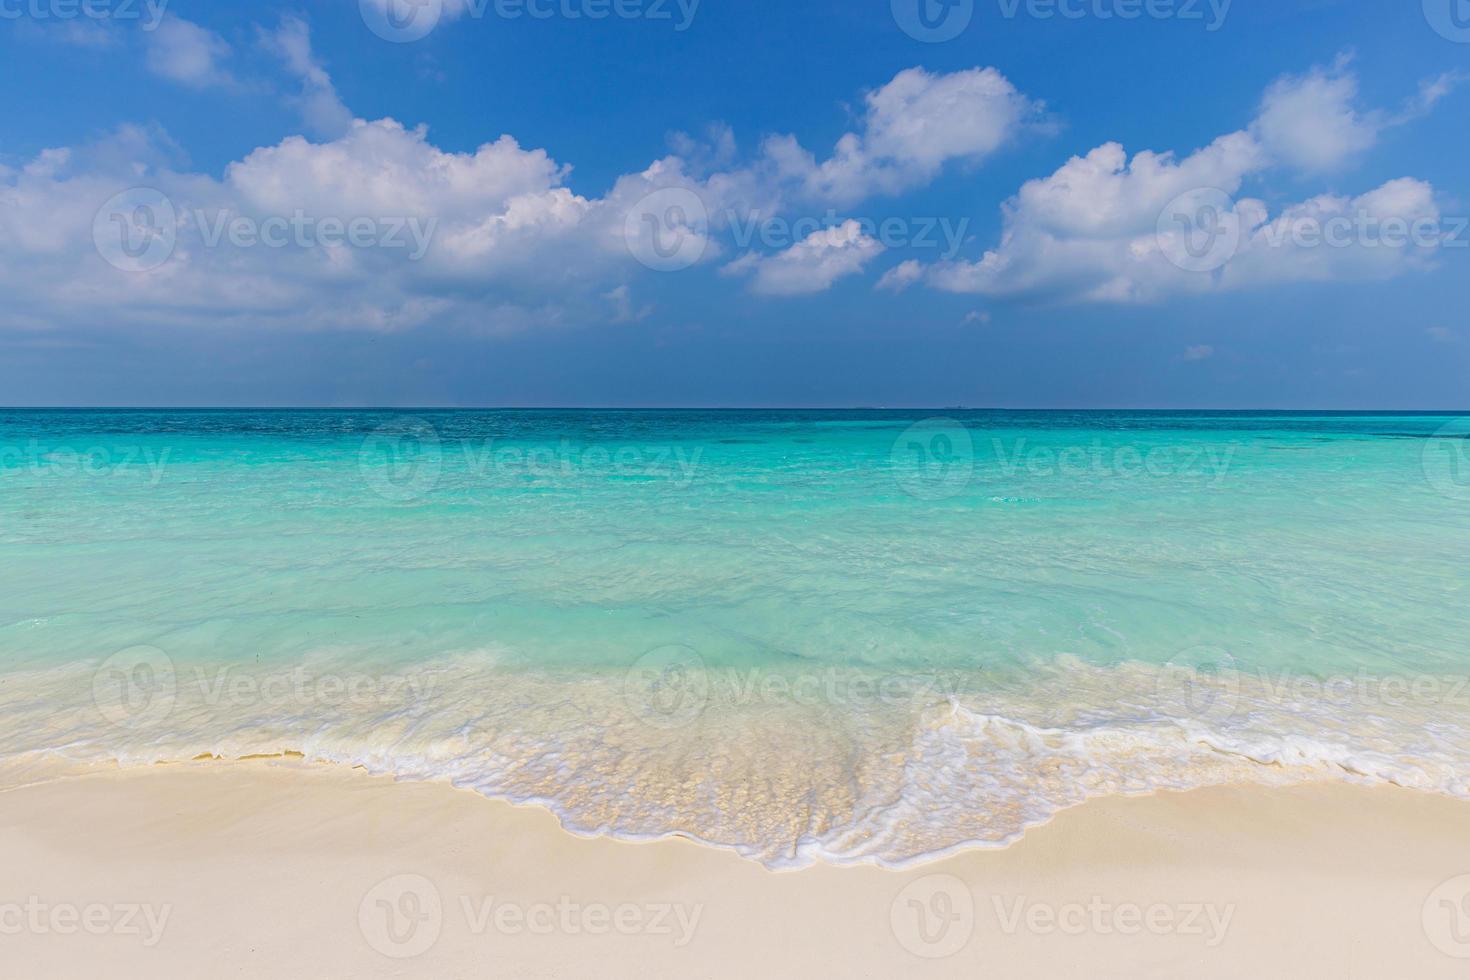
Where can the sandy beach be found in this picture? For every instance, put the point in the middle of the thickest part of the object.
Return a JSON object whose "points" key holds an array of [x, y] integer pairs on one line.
{"points": [[276, 868]]}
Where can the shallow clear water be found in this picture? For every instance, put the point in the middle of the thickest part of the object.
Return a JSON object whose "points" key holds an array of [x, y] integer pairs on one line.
{"points": [[861, 635]]}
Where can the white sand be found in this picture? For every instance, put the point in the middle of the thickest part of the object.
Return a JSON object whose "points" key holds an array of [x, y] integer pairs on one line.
{"points": [[278, 869]]}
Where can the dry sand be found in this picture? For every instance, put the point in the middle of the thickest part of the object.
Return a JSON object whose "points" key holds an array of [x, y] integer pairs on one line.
{"points": [[280, 869]]}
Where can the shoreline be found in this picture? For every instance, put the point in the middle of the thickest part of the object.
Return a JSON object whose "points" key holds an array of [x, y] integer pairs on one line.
{"points": [[296, 869], [878, 767]]}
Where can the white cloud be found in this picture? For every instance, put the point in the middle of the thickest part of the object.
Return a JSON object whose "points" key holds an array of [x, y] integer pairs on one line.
{"points": [[507, 244], [1199, 352], [1332, 238], [1309, 121], [812, 265], [1105, 195], [624, 310], [1098, 229], [1327, 238], [321, 108], [485, 219], [912, 127], [1431, 91], [901, 276], [496, 240], [186, 53]]}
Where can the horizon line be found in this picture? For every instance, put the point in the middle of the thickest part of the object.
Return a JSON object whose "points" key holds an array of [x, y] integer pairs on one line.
{"points": [[710, 408]]}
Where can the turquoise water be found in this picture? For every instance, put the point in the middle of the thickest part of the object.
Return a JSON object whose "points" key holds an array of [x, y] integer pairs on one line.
{"points": [[860, 635]]}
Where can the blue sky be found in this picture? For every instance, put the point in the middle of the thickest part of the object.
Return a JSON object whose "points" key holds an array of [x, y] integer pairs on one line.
{"points": [[1065, 204]]}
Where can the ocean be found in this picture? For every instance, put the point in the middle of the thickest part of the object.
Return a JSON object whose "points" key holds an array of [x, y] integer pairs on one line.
{"points": [[845, 636]]}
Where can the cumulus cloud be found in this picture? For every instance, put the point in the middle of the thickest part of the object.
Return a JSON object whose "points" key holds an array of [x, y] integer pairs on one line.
{"points": [[811, 265], [912, 127], [1310, 122], [379, 229], [186, 53], [369, 225], [1105, 227], [1377, 235], [1104, 194], [495, 239]]}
